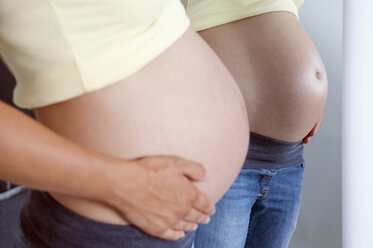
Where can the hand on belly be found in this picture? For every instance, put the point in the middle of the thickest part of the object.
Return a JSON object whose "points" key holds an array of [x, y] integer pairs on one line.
{"points": [[188, 107]]}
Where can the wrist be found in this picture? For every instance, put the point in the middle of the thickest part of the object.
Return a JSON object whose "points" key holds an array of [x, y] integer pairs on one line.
{"points": [[107, 172]]}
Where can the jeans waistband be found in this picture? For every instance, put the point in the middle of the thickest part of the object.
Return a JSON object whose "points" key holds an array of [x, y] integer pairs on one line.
{"points": [[46, 223], [268, 153]]}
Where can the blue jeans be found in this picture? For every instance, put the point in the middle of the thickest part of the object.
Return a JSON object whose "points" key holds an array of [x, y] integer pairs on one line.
{"points": [[260, 210]]}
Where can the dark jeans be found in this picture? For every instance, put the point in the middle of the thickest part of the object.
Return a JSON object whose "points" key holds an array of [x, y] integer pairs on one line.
{"points": [[18, 241], [44, 223]]}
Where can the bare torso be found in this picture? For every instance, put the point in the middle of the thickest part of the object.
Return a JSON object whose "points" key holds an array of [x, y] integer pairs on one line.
{"points": [[278, 69], [184, 103]]}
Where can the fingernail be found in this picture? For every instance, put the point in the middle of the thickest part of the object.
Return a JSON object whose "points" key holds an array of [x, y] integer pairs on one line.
{"points": [[207, 220], [182, 235], [195, 227], [206, 177]]}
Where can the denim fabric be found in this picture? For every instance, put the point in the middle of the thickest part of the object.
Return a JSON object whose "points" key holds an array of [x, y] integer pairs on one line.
{"points": [[260, 210]]}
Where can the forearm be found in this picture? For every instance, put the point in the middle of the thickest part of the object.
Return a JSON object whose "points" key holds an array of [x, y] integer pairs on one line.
{"points": [[149, 192], [33, 155]]}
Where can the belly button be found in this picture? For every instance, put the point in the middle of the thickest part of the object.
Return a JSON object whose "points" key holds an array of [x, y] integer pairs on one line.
{"points": [[318, 75]]}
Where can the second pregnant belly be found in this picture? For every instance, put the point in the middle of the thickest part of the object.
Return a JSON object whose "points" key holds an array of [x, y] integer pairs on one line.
{"points": [[278, 69], [183, 103]]}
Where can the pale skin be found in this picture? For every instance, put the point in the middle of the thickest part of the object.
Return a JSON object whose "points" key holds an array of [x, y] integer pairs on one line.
{"points": [[284, 104], [203, 96], [279, 71], [165, 204], [183, 103]]}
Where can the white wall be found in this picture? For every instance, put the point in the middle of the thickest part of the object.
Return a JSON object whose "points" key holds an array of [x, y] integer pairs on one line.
{"points": [[357, 123], [320, 224]]}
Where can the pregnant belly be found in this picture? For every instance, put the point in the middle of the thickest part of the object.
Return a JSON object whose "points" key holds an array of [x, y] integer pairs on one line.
{"points": [[278, 69], [184, 103]]}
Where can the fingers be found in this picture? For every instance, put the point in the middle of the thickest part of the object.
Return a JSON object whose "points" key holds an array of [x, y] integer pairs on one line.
{"points": [[196, 216], [185, 226], [158, 227], [193, 170], [196, 171], [311, 133], [204, 204], [305, 141], [170, 203], [317, 128], [314, 130], [171, 234]]}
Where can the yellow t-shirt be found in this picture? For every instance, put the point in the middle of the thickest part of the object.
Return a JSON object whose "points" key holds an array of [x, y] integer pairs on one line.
{"points": [[60, 49], [209, 13]]}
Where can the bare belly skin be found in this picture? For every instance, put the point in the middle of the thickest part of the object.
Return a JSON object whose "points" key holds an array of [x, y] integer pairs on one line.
{"points": [[184, 103], [278, 69]]}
